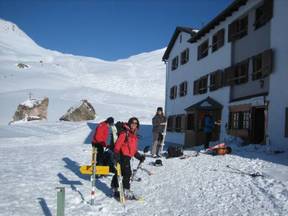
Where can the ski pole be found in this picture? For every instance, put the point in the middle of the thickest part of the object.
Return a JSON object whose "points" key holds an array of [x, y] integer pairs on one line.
{"points": [[135, 171], [93, 177]]}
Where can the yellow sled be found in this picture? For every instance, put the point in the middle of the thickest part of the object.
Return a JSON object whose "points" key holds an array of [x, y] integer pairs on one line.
{"points": [[100, 170]]}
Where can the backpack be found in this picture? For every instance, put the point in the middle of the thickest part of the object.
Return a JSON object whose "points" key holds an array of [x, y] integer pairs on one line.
{"points": [[121, 126], [175, 151]]}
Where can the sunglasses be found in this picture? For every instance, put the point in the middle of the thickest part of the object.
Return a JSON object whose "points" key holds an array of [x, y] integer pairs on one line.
{"points": [[134, 122]]}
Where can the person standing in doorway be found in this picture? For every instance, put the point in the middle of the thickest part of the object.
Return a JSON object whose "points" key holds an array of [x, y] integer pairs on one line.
{"points": [[158, 123], [208, 128]]}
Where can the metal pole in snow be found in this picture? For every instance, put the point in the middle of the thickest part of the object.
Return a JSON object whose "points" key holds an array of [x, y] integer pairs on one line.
{"points": [[60, 201]]}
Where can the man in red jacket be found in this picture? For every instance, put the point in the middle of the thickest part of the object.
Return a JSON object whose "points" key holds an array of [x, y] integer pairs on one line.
{"points": [[125, 148], [100, 138]]}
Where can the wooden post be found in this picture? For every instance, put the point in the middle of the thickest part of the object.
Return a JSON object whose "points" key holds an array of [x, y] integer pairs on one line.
{"points": [[60, 201]]}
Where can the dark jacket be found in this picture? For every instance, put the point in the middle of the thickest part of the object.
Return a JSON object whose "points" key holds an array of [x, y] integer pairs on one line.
{"points": [[156, 123]]}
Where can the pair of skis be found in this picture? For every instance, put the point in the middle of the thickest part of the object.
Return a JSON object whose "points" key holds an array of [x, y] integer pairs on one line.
{"points": [[238, 171]]}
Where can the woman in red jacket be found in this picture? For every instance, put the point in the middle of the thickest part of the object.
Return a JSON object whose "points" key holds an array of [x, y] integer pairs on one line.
{"points": [[100, 138], [125, 148]]}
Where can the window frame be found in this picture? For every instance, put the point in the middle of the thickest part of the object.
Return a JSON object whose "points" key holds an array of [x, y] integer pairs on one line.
{"points": [[203, 50], [238, 28], [173, 92], [185, 56], [183, 89], [175, 63], [218, 40]]}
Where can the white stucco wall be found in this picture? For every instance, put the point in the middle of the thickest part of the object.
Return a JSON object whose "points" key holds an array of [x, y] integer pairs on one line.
{"points": [[221, 59], [278, 80]]}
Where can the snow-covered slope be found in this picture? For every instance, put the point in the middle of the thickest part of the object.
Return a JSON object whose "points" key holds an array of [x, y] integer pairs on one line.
{"points": [[133, 86]]}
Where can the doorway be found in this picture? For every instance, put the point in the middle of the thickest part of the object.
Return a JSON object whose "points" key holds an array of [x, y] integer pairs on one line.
{"points": [[258, 125]]}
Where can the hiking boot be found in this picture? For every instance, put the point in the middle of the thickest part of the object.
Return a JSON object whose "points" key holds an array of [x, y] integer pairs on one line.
{"points": [[116, 193], [154, 156], [129, 195]]}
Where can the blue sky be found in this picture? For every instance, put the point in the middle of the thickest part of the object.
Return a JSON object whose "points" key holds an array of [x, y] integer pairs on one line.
{"points": [[107, 29]]}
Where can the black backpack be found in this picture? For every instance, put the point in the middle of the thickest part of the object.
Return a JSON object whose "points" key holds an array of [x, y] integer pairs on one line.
{"points": [[175, 151]]}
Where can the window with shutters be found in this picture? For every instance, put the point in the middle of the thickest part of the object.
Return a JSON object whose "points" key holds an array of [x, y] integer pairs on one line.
{"points": [[263, 14], [237, 74], [216, 81], [262, 64], [239, 120], [200, 85], [170, 125], [175, 63], [173, 92], [185, 56], [190, 121], [203, 49], [183, 89], [218, 40], [238, 29], [178, 123]]}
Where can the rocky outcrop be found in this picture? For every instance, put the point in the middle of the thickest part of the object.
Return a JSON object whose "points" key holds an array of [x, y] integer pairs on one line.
{"points": [[83, 112], [32, 109]]}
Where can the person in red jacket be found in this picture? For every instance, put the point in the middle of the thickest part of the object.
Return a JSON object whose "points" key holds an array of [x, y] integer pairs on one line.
{"points": [[100, 138], [125, 148]]}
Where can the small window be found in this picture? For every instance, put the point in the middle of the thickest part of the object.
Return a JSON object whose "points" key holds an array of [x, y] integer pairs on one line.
{"points": [[178, 123], [175, 63], [203, 49], [173, 92], [185, 56], [263, 14], [238, 29], [218, 40], [183, 89], [239, 120], [262, 64], [190, 121]]}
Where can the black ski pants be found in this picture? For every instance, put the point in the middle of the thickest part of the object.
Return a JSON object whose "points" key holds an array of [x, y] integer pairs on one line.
{"points": [[100, 153], [126, 173]]}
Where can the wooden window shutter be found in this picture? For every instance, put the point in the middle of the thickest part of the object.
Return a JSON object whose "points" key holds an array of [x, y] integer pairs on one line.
{"points": [[286, 122], [268, 9], [183, 123], [228, 76], [232, 29], [196, 87], [267, 62], [218, 79]]}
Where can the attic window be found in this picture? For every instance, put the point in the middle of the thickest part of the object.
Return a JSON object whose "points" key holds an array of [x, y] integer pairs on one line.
{"points": [[175, 63], [203, 49], [185, 56]]}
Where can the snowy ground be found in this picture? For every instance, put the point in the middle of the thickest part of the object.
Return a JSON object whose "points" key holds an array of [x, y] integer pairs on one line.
{"points": [[37, 157]]}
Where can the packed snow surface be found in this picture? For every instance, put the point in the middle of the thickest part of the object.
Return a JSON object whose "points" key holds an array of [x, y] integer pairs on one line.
{"points": [[38, 157]]}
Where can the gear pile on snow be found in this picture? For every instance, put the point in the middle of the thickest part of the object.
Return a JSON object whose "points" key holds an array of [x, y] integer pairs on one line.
{"points": [[83, 112]]}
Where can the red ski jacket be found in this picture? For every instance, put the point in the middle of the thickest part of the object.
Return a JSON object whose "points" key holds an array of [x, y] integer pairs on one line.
{"points": [[101, 134], [127, 147]]}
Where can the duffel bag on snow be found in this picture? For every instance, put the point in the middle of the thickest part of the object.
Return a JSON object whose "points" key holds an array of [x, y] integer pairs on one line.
{"points": [[175, 151]]}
